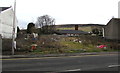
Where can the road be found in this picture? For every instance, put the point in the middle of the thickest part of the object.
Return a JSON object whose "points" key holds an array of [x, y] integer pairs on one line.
{"points": [[63, 64]]}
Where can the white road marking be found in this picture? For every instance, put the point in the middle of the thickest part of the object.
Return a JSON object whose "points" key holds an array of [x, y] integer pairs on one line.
{"points": [[113, 65], [74, 70]]}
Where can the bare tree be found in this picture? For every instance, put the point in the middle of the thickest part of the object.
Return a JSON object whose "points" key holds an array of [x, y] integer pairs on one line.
{"points": [[46, 23]]}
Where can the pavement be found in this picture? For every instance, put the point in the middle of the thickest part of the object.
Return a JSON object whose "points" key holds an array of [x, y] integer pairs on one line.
{"points": [[55, 55]]}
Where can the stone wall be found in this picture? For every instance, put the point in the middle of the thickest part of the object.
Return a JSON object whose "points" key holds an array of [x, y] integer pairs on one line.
{"points": [[112, 30], [0, 45]]}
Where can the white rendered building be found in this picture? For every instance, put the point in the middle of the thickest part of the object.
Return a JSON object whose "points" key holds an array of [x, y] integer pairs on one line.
{"points": [[6, 22]]}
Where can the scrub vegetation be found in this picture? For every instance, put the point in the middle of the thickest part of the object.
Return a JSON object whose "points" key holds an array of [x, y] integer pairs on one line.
{"points": [[56, 44]]}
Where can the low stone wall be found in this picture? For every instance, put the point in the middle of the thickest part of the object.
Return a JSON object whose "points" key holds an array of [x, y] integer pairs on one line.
{"points": [[6, 44], [0, 53], [0, 45]]}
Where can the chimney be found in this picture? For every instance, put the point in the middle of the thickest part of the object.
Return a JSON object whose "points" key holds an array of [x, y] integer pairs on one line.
{"points": [[76, 27]]}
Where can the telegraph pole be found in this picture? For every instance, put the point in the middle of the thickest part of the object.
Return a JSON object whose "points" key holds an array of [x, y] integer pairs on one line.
{"points": [[13, 33]]}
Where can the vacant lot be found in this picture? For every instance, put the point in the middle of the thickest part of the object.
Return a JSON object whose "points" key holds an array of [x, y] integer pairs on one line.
{"points": [[47, 44]]}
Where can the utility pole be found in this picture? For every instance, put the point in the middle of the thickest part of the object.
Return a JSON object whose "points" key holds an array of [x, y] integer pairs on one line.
{"points": [[13, 33]]}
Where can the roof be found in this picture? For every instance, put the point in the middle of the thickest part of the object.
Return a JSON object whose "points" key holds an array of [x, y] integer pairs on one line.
{"points": [[113, 19], [72, 32], [3, 8], [79, 25]]}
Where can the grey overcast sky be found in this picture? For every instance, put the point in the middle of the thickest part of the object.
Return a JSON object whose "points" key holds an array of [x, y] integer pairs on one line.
{"points": [[64, 11]]}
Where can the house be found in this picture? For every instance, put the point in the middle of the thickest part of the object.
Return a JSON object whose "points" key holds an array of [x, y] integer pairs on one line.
{"points": [[6, 22], [6, 27], [112, 29]]}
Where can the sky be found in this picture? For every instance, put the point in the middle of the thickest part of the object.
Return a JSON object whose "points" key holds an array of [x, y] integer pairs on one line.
{"points": [[64, 11]]}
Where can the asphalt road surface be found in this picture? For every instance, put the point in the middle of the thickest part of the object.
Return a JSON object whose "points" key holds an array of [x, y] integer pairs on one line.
{"points": [[63, 64]]}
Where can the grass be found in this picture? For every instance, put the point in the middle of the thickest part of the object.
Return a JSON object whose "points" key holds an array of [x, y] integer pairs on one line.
{"points": [[75, 47], [87, 28], [72, 45]]}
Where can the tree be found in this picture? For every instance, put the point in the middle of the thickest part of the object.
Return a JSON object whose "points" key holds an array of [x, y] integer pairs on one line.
{"points": [[95, 31], [100, 32], [30, 28], [18, 29], [46, 23]]}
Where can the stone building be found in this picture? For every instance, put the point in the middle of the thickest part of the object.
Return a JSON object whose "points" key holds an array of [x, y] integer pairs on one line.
{"points": [[112, 29]]}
